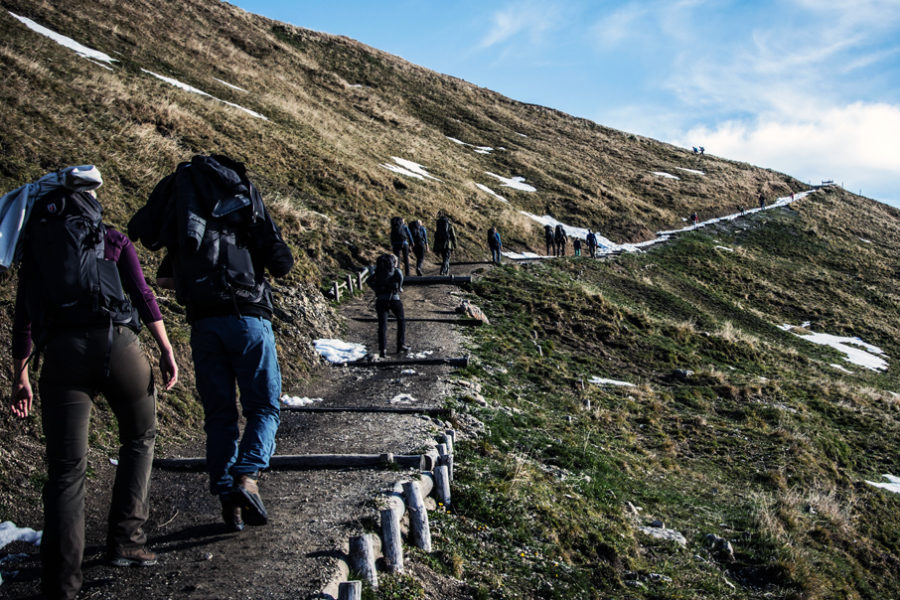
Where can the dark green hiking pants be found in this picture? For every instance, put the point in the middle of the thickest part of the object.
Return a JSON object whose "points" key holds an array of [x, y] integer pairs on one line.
{"points": [[74, 372]]}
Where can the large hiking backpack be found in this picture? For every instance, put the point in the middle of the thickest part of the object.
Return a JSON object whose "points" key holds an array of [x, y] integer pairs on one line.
{"points": [[381, 282], [67, 280], [398, 235], [213, 265], [441, 233]]}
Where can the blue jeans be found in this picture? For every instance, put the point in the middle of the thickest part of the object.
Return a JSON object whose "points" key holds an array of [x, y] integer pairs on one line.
{"points": [[229, 350]]}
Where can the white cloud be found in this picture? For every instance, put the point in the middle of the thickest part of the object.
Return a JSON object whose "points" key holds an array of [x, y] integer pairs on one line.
{"points": [[620, 26], [858, 144], [529, 18]]}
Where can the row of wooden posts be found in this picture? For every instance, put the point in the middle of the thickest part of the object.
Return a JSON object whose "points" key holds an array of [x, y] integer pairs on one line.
{"points": [[405, 499], [353, 282]]}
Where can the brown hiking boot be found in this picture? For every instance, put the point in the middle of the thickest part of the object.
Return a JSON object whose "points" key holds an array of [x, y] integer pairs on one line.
{"points": [[140, 556], [246, 495], [231, 513]]}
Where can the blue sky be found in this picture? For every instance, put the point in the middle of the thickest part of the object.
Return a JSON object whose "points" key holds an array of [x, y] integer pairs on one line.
{"points": [[807, 87]]}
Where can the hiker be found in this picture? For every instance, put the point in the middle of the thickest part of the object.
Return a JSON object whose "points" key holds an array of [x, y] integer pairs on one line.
{"points": [[220, 240], [548, 239], [387, 282], [762, 200], [495, 244], [741, 209], [592, 243], [419, 244], [576, 245], [444, 242], [702, 150], [80, 301], [694, 219], [401, 240], [559, 241]]}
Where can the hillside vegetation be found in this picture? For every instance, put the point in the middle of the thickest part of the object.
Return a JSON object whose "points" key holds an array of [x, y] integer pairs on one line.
{"points": [[766, 443]]}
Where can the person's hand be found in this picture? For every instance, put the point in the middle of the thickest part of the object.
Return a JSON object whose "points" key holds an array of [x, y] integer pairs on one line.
{"points": [[168, 368], [22, 396]]}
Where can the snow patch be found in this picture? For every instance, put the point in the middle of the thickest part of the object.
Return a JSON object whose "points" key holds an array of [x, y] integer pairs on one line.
{"points": [[408, 168], [841, 368], [725, 248], [408, 372], [189, 88], [516, 183], [231, 85], [402, 399], [422, 354], [601, 381], [338, 351], [666, 175], [694, 171], [10, 533], [892, 484], [856, 351], [488, 190], [68, 42], [521, 255], [295, 401], [777, 204]]}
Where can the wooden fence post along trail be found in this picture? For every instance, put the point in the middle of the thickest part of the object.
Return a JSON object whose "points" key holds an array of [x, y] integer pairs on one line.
{"points": [[406, 498]]}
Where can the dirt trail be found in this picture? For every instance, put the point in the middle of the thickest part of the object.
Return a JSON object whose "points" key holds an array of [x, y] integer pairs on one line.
{"points": [[312, 513]]}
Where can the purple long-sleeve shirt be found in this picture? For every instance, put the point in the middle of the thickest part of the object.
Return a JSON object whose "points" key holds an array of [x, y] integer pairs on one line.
{"points": [[119, 249]]}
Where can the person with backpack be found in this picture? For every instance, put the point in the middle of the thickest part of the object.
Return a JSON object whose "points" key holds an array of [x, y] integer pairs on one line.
{"points": [[401, 240], [444, 242], [592, 243], [387, 282], [495, 244], [220, 242], [549, 240], [80, 302], [559, 239], [420, 244], [576, 246]]}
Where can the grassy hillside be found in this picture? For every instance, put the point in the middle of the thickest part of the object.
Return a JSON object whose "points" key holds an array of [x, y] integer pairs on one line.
{"points": [[766, 444]]}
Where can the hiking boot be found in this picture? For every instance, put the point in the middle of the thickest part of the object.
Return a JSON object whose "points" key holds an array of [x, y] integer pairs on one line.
{"points": [[403, 350], [131, 557], [246, 495], [231, 514]]}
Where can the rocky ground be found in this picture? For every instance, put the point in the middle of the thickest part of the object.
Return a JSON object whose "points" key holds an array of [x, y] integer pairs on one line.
{"points": [[312, 513]]}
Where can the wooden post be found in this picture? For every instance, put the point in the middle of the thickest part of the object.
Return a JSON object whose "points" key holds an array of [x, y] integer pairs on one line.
{"points": [[442, 484], [359, 279], [391, 540], [449, 438], [419, 531], [362, 558], [336, 291], [349, 283], [445, 458], [350, 590]]}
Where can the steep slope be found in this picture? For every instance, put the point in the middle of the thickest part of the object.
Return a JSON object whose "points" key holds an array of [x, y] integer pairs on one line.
{"points": [[667, 389], [319, 120]]}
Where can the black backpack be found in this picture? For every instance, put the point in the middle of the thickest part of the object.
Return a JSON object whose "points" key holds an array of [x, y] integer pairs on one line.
{"points": [[381, 280], [213, 265], [68, 282]]}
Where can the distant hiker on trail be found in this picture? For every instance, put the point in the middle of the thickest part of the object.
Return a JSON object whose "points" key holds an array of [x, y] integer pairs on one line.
{"points": [[81, 298], [762, 200], [741, 209], [702, 150], [401, 240], [419, 244], [549, 239], [696, 151], [495, 244], [559, 241], [444, 242], [592, 243], [221, 241], [576, 245], [694, 219], [387, 282]]}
